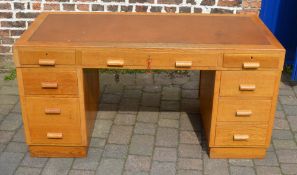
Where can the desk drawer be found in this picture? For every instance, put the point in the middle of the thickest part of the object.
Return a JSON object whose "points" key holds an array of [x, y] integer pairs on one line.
{"points": [[251, 61], [240, 135], [244, 110], [47, 81], [47, 57], [248, 83], [112, 59]]}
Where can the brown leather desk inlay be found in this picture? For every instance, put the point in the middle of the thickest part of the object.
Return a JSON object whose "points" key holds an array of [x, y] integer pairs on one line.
{"points": [[239, 59]]}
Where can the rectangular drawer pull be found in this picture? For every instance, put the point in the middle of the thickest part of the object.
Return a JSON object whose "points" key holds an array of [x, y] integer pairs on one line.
{"points": [[251, 65], [49, 85], [118, 63], [52, 111], [247, 87], [54, 135], [46, 62], [244, 113], [240, 137], [183, 64]]}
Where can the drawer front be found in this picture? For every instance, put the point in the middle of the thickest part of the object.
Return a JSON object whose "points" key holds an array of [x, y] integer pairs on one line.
{"points": [[47, 57], [251, 61], [240, 135], [248, 83], [37, 81], [113, 59], [244, 110], [52, 111], [185, 60]]}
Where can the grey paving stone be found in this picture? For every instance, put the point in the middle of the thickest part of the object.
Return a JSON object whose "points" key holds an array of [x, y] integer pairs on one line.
{"points": [[189, 151], [138, 163], [115, 151], [135, 173], [8, 99], [34, 162], [265, 170], [152, 88], [188, 163], [125, 119], [289, 169], [90, 162], [286, 92], [190, 122], [17, 108], [162, 79], [127, 79], [17, 147], [107, 78], [111, 98], [110, 167], [11, 122], [9, 90], [144, 79], [130, 102], [167, 137], [59, 166], [150, 99], [191, 85], [169, 115], [180, 79], [120, 134], [288, 100], [128, 109], [190, 93], [280, 114], [215, 166], [236, 170], [106, 113], [165, 154], [27, 171], [145, 128], [163, 168], [2, 147], [189, 137], [5, 136], [290, 110], [168, 123], [148, 114], [281, 124], [81, 172], [102, 128], [114, 89], [269, 160], [189, 172], [97, 142], [282, 134], [293, 122], [284, 144], [9, 162], [190, 105], [287, 156], [171, 93], [132, 93], [170, 105], [241, 162], [19, 136], [142, 145]]}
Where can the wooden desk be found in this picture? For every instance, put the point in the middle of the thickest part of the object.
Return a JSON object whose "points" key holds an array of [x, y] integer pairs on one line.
{"points": [[239, 59]]}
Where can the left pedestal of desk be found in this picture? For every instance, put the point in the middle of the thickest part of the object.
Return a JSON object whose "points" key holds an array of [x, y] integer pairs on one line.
{"points": [[59, 106]]}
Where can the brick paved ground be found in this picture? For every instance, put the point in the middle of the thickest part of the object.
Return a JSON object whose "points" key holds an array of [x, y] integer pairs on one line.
{"points": [[147, 125]]}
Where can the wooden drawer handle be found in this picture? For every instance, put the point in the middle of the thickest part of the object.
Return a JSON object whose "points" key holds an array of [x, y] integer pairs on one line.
{"points": [[183, 64], [49, 85], [244, 113], [251, 65], [46, 62], [54, 135], [247, 87], [52, 111], [118, 63], [240, 137]]}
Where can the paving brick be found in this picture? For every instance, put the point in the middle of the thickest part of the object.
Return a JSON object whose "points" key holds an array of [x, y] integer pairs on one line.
{"points": [[286, 92], [150, 99], [148, 114], [190, 93], [11, 122], [5, 136], [34, 162], [132, 93], [293, 122], [27, 171], [9, 162], [107, 111], [142, 145], [9, 90], [241, 162], [289, 169], [144, 79], [265, 170], [168, 123], [129, 102], [59, 166], [162, 79], [17, 108], [180, 79], [8, 99], [171, 93], [115, 151], [170, 105], [81, 172], [16, 147], [189, 137], [152, 88], [2, 147], [169, 115], [145, 128], [134, 87], [90, 162], [120, 134], [290, 110], [127, 79], [167, 137], [97, 142], [163, 168], [287, 156], [189, 151], [114, 88], [190, 105], [138, 163], [269, 160], [102, 128], [288, 100], [215, 166], [125, 119], [190, 122], [110, 167], [111, 98], [165, 154], [236, 170], [135, 173], [280, 114], [191, 85], [128, 109], [284, 144], [188, 163], [282, 134], [189, 172], [281, 124]]}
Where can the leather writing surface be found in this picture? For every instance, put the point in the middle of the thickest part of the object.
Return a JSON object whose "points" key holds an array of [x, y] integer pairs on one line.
{"points": [[119, 28]]}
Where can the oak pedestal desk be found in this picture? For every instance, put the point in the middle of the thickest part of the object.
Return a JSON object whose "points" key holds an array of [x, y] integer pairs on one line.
{"points": [[58, 57]]}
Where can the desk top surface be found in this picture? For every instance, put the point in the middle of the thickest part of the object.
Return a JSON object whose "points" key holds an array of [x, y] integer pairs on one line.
{"points": [[149, 30]]}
